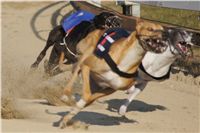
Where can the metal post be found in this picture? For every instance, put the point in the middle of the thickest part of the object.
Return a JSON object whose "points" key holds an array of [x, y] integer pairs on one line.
{"points": [[127, 10], [130, 8], [136, 9]]}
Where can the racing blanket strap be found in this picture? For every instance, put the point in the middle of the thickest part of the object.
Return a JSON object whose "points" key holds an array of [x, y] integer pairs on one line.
{"points": [[103, 47]]}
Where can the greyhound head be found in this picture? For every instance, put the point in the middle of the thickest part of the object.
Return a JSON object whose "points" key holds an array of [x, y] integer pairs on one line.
{"points": [[181, 41], [151, 36], [107, 20]]}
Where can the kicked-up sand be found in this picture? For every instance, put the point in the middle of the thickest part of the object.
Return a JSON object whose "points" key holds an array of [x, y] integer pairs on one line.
{"points": [[169, 106]]}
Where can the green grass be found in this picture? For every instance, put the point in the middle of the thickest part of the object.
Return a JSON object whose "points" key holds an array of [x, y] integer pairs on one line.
{"points": [[185, 18], [112, 5]]}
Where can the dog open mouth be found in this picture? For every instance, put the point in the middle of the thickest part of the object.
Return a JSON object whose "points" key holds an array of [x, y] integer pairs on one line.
{"points": [[184, 48], [156, 45]]}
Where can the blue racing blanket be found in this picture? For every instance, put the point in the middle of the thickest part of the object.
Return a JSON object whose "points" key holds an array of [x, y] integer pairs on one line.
{"points": [[75, 18]]}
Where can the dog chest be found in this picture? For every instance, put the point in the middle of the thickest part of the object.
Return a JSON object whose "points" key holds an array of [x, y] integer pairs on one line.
{"points": [[112, 80]]}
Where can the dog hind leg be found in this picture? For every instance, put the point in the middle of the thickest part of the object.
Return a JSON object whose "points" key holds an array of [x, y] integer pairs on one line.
{"points": [[55, 35]]}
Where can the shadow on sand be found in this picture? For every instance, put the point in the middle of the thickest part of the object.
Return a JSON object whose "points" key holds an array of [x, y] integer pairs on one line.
{"points": [[94, 118], [136, 105]]}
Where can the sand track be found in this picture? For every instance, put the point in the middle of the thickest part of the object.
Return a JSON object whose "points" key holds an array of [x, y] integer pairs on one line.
{"points": [[170, 106]]}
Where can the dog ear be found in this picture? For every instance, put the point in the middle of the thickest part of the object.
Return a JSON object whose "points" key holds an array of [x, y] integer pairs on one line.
{"points": [[139, 24], [138, 20]]}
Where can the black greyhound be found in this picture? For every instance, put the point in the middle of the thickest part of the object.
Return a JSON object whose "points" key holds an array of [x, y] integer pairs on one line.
{"points": [[67, 44]]}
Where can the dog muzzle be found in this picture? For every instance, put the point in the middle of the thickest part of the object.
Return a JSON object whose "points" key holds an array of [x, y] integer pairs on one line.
{"points": [[113, 22], [156, 45]]}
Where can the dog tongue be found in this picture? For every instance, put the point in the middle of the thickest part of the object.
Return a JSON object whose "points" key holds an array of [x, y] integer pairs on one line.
{"points": [[183, 48]]}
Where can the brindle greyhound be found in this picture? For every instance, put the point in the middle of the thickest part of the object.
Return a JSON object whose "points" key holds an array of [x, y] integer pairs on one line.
{"points": [[156, 67], [127, 54], [65, 50]]}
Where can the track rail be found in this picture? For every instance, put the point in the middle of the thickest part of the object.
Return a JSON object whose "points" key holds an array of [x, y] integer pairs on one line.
{"points": [[129, 22]]}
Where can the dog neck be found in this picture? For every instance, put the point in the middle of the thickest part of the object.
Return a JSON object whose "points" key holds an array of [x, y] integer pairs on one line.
{"points": [[133, 54]]}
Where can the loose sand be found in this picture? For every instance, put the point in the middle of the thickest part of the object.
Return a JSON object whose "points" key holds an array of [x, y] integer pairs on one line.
{"points": [[170, 106]]}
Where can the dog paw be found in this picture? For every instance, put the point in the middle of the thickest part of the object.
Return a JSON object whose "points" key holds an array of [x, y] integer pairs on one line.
{"points": [[66, 122], [34, 66], [64, 98], [122, 110], [63, 125], [69, 100]]}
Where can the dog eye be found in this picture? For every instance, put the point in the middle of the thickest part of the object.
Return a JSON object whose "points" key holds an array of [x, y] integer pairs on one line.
{"points": [[183, 43]]}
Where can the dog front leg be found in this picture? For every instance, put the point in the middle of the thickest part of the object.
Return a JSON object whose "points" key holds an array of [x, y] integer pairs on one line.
{"points": [[135, 91], [68, 89], [84, 101], [66, 97], [87, 96], [85, 71]]}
